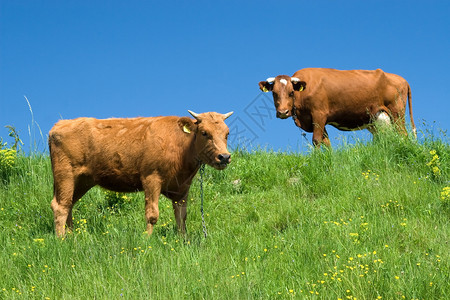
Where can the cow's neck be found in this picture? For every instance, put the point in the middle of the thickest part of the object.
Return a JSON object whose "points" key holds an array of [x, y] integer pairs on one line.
{"points": [[296, 115], [191, 160], [294, 112], [296, 108]]}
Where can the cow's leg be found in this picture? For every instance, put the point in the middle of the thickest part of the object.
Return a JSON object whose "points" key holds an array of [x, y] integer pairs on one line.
{"points": [[152, 189], [398, 119], [398, 111], [60, 213], [62, 203], [326, 139], [81, 187], [179, 209], [318, 131], [69, 221]]}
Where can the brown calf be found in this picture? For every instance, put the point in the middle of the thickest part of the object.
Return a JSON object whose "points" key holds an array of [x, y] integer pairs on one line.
{"points": [[158, 155]]}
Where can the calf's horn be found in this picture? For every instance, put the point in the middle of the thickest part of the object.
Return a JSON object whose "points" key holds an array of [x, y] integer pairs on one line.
{"points": [[225, 116], [270, 79]]}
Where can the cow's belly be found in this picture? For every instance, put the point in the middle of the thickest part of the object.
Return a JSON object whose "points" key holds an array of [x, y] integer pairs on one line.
{"points": [[349, 126], [359, 121], [119, 182]]}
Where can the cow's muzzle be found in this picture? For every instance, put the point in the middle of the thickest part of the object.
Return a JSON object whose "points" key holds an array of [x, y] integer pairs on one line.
{"points": [[224, 160], [284, 114]]}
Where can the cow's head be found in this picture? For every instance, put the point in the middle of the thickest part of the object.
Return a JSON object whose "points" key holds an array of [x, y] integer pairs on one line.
{"points": [[283, 90], [211, 134]]}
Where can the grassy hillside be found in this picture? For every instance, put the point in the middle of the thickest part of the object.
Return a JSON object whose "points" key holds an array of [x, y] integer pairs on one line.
{"points": [[365, 221]]}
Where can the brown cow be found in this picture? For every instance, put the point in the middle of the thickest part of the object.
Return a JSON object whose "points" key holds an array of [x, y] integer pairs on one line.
{"points": [[347, 100], [159, 155]]}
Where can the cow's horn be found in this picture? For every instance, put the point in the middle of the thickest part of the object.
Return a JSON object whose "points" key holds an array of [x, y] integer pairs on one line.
{"points": [[225, 116], [270, 79], [195, 115], [294, 79]]}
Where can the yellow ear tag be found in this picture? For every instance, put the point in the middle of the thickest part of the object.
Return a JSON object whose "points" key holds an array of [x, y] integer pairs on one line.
{"points": [[301, 88], [265, 90], [186, 129]]}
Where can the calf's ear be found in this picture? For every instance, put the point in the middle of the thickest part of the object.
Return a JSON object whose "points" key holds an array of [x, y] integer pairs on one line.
{"points": [[265, 86], [187, 125]]}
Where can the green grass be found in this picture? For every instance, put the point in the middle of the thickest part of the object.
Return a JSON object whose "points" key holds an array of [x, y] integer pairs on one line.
{"points": [[359, 221]]}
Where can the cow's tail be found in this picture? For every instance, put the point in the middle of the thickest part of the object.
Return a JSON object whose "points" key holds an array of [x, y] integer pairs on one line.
{"points": [[411, 112], [51, 160]]}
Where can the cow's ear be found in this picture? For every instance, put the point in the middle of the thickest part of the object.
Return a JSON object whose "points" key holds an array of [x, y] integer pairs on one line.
{"points": [[265, 86], [187, 125], [299, 85]]}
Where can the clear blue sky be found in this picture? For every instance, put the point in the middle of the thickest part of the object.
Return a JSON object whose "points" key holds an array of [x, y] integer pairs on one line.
{"points": [[148, 58]]}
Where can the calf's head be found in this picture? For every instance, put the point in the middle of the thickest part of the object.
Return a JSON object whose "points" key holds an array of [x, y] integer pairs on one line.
{"points": [[211, 134], [283, 89]]}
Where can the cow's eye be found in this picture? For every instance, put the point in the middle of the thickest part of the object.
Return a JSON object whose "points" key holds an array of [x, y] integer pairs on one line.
{"points": [[204, 133], [291, 94]]}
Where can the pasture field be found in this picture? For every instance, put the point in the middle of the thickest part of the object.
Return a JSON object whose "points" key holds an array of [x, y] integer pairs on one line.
{"points": [[362, 221]]}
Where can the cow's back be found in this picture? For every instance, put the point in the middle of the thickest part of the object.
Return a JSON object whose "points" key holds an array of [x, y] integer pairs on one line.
{"points": [[337, 93], [98, 138], [115, 153], [340, 82]]}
